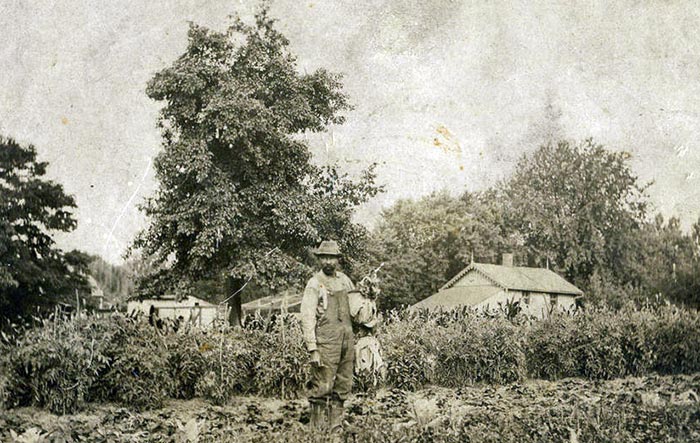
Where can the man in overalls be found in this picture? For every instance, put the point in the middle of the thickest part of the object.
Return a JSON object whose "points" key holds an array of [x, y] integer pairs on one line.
{"points": [[326, 320]]}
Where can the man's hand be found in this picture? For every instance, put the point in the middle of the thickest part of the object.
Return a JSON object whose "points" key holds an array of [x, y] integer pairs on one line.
{"points": [[315, 358]]}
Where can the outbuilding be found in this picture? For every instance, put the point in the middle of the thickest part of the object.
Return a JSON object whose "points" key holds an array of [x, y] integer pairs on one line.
{"points": [[190, 309], [484, 286]]}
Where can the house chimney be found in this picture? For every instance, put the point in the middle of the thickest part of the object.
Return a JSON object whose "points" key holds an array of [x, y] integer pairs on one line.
{"points": [[507, 259]]}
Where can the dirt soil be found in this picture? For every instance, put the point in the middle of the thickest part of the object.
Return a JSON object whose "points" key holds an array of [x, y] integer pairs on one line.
{"points": [[637, 407]]}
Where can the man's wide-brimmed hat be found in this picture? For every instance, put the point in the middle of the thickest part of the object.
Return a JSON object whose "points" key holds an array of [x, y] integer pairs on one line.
{"points": [[329, 247]]}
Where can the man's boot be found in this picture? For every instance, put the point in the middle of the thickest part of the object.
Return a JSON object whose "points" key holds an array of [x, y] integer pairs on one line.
{"points": [[336, 413], [318, 415]]}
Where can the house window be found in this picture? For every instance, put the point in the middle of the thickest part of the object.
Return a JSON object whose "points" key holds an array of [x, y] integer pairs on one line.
{"points": [[553, 299], [526, 298]]}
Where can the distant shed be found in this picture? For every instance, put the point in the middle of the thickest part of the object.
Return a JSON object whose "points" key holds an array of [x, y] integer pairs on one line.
{"points": [[486, 286], [193, 310]]}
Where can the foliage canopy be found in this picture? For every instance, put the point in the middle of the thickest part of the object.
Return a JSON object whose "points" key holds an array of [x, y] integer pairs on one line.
{"points": [[577, 206], [574, 207], [34, 273], [425, 242], [238, 194]]}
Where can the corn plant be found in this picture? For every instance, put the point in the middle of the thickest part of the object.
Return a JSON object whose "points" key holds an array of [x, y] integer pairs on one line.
{"points": [[282, 368]]}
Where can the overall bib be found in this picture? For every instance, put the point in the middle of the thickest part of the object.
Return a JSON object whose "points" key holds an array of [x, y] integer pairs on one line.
{"points": [[334, 339]]}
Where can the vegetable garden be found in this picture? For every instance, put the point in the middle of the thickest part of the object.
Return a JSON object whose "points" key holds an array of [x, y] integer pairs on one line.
{"points": [[454, 376]]}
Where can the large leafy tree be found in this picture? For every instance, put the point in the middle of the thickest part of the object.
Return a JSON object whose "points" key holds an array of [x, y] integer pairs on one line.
{"points": [[34, 274], [579, 207], [238, 194]]}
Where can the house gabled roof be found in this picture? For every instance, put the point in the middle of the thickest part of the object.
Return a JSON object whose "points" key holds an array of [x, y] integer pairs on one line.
{"points": [[457, 296], [517, 278]]}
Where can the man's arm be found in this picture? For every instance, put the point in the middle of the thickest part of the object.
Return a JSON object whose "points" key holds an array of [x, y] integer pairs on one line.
{"points": [[309, 305]]}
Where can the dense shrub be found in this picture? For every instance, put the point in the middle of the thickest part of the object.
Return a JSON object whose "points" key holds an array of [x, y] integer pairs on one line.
{"points": [[282, 366], [186, 362], [230, 358], [602, 344], [676, 338], [55, 365], [138, 375], [410, 359], [597, 344], [503, 356], [270, 360], [550, 349], [6, 344], [451, 348], [473, 349], [637, 340], [454, 348], [5, 384]]}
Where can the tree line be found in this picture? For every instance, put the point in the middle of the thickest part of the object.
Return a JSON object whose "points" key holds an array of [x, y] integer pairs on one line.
{"points": [[576, 208]]}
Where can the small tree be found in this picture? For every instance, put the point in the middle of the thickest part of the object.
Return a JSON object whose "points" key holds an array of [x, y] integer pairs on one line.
{"points": [[238, 196], [33, 272]]}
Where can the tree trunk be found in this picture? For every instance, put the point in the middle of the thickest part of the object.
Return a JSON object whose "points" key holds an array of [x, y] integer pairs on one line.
{"points": [[234, 285]]}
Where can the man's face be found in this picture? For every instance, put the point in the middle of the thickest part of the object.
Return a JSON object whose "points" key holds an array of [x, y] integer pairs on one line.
{"points": [[329, 264]]}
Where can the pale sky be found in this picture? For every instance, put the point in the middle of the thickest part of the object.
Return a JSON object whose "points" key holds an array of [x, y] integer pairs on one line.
{"points": [[447, 94]]}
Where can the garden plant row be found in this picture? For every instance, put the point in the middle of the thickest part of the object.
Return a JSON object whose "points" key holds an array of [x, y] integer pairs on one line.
{"points": [[64, 364]]}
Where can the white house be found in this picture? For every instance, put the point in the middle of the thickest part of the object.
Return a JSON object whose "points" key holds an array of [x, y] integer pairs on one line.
{"points": [[192, 309], [488, 286]]}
